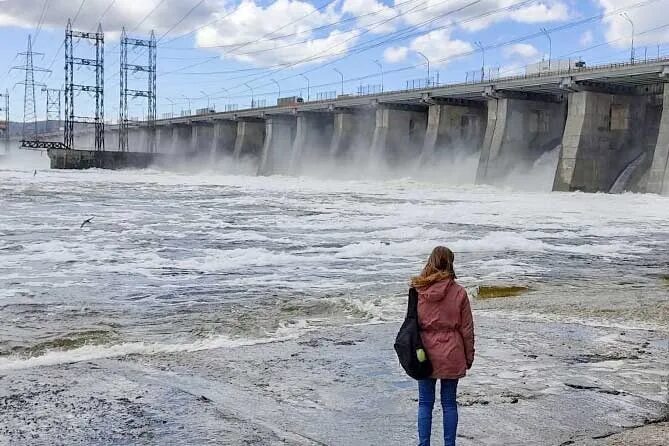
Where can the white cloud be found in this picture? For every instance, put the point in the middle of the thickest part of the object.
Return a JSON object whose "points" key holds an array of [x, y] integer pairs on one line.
{"points": [[522, 50], [619, 31], [249, 34], [541, 12], [376, 17], [129, 13], [395, 54], [439, 48]]}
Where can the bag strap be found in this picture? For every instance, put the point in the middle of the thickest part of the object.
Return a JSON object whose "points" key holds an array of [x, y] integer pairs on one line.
{"points": [[412, 308]]}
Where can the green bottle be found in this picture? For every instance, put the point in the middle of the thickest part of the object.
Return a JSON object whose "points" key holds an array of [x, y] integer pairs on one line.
{"points": [[420, 354]]}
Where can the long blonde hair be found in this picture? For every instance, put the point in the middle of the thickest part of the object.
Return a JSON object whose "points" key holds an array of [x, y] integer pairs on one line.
{"points": [[439, 267]]}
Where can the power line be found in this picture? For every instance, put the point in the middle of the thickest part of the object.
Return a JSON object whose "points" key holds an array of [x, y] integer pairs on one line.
{"points": [[357, 35], [531, 36], [467, 53], [41, 20], [297, 33]]}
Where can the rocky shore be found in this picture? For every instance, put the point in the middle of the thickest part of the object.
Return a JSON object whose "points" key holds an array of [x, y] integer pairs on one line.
{"points": [[533, 382]]}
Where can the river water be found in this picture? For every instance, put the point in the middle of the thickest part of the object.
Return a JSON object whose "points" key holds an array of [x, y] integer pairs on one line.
{"points": [[181, 262]]}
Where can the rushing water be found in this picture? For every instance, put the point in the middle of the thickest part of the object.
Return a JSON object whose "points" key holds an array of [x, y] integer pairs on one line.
{"points": [[176, 262]]}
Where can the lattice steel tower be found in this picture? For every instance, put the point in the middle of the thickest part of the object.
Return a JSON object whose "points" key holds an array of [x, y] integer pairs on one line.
{"points": [[29, 106], [126, 92], [98, 40], [53, 105]]}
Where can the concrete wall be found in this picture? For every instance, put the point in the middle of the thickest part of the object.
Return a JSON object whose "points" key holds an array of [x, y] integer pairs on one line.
{"points": [[313, 138], [250, 138], [164, 139], [398, 134], [352, 133], [453, 128], [181, 139], [225, 135], [276, 152], [604, 133], [658, 177], [518, 132], [201, 136]]}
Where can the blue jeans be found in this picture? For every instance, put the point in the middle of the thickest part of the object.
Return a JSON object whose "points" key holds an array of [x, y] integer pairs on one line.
{"points": [[449, 405]]}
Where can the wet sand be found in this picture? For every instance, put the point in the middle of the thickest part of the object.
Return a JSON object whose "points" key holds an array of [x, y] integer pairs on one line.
{"points": [[533, 382]]}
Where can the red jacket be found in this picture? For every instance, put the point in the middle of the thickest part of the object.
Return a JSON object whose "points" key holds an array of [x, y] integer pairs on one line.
{"points": [[447, 328]]}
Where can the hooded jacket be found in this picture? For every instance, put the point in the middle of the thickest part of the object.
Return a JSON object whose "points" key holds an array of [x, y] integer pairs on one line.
{"points": [[447, 328]]}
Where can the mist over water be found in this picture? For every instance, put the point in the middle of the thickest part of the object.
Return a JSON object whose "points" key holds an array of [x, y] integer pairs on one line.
{"points": [[209, 254]]}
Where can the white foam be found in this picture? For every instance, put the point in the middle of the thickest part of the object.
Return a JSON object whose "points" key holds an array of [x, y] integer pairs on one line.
{"points": [[93, 352]]}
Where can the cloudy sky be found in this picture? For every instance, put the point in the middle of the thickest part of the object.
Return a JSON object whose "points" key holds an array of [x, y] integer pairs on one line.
{"points": [[220, 51]]}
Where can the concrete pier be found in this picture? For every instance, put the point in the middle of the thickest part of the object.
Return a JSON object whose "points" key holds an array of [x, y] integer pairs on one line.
{"points": [[604, 133], [658, 177], [453, 127], [225, 134], [201, 136], [164, 139], [276, 152], [353, 130], [181, 139], [398, 134], [520, 128], [250, 138], [313, 137]]}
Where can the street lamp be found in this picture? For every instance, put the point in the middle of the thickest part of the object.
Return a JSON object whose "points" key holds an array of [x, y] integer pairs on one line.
{"points": [[550, 46], [252, 95], [172, 106], [278, 86], [480, 46], [342, 80], [208, 100], [188, 101], [308, 86], [380, 68], [627, 17], [428, 65]]}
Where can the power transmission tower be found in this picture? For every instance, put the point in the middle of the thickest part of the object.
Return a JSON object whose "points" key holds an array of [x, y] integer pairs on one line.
{"points": [[4, 125], [29, 105], [53, 105], [126, 92], [98, 40]]}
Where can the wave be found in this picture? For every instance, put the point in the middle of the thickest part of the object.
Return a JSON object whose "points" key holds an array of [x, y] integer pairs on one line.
{"points": [[93, 352]]}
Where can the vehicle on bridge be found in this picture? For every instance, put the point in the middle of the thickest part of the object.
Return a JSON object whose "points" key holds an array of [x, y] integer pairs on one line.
{"points": [[289, 100]]}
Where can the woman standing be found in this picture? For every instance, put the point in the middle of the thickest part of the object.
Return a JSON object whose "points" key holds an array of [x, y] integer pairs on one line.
{"points": [[447, 331]]}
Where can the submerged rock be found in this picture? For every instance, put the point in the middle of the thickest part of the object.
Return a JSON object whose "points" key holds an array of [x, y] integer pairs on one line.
{"points": [[495, 291]]}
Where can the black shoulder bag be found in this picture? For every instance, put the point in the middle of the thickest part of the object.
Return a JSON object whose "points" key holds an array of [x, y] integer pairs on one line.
{"points": [[408, 344]]}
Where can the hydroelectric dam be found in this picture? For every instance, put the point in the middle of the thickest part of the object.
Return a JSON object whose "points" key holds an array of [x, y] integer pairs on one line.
{"points": [[610, 124]]}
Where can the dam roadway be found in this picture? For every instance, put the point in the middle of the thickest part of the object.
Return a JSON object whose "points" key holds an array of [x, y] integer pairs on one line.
{"points": [[610, 122]]}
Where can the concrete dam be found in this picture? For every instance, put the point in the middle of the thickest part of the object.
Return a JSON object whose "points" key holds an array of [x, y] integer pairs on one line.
{"points": [[609, 123]]}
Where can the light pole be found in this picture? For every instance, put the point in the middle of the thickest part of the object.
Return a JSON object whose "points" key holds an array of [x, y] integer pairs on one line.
{"points": [[428, 65], [627, 17], [188, 101], [172, 106], [279, 87], [208, 100], [550, 47], [308, 86], [480, 46], [380, 68], [227, 97], [342, 80], [252, 95]]}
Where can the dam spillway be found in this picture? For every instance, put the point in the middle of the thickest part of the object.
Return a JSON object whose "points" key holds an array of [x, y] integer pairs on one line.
{"points": [[610, 124]]}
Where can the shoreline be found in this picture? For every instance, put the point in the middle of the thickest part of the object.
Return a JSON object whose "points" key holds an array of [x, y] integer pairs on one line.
{"points": [[533, 382]]}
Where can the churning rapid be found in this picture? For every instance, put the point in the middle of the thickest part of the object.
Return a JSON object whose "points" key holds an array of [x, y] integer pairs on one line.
{"points": [[175, 261]]}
